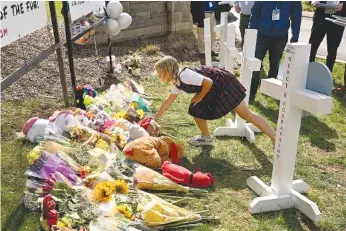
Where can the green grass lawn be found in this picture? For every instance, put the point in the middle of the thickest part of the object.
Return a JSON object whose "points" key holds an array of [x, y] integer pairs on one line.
{"points": [[321, 162], [307, 6]]}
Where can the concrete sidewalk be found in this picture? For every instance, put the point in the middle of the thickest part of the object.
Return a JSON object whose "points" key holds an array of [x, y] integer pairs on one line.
{"points": [[304, 36]]}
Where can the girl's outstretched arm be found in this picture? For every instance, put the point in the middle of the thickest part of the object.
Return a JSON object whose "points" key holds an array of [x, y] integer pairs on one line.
{"points": [[165, 106]]}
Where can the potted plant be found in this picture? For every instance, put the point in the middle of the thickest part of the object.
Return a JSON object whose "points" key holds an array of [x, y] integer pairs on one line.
{"points": [[133, 63]]}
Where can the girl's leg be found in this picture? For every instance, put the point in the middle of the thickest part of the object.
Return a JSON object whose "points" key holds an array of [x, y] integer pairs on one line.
{"points": [[203, 126], [245, 113], [205, 139]]}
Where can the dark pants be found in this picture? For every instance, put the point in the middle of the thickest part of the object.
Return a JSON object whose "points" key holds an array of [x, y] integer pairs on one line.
{"points": [[243, 25], [275, 46], [345, 76], [334, 36]]}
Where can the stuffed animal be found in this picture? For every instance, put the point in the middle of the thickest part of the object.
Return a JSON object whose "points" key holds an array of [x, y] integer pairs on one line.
{"points": [[60, 122], [82, 117], [135, 132], [102, 121], [153, 151], [34, 129], [150, 125], [81, 92], [95, 108], [183, 176]]}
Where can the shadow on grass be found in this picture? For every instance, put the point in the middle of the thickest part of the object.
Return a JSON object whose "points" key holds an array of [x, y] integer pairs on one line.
{"points": [[219, 168], [293, 219], [318, 132], [16, 219]]}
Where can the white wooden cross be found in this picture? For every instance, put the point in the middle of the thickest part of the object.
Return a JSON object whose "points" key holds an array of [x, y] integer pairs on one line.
{"points": [[284, 192], [227, 42], [248, 64]]}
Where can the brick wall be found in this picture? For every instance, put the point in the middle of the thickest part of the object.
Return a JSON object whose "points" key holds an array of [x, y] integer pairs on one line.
{"points": [[152, 18]]}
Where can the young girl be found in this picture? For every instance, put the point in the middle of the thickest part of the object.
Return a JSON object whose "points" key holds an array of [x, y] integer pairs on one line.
{"points": [[217, 92]]}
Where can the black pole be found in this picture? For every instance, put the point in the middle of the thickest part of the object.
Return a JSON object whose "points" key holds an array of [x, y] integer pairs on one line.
{"points": [[65, 11], [110, 49], [110, 54], [58, 52]]}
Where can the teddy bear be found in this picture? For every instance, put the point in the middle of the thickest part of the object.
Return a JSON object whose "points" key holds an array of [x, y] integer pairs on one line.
{"points": [[183, 176], [153, 151], [150, 125]]}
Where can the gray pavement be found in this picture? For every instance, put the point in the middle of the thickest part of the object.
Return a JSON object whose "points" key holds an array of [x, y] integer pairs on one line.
{"points": [[304, 36]]}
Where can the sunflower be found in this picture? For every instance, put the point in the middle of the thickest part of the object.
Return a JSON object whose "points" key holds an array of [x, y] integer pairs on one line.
{"points": [[121, 187], [103, 191], [126, 211]]}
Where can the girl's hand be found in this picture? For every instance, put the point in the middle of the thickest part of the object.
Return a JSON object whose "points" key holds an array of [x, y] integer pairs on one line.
{"points": [[196, 99]]}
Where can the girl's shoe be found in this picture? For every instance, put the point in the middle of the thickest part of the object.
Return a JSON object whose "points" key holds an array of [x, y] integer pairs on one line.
{"points": [[201, 141]]}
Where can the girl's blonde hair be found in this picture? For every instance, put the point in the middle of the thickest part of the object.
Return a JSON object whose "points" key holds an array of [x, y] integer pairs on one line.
{"points": [[167, 68]]}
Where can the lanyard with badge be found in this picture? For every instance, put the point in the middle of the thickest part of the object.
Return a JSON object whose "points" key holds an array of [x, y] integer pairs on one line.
{"points": [[276, 13]]}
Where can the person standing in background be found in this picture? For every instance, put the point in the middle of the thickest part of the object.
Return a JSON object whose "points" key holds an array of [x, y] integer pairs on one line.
{"points": [[321, 27], [199, 11], [272, 21], [244, 8]]}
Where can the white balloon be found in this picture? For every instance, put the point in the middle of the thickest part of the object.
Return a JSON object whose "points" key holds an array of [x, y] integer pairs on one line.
{"points": [[114, 9], [124, 20], [111, 27]]}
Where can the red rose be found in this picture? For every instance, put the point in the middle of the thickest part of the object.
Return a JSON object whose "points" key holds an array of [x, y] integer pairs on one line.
{"points": [[84, 171], [52, 217], [50, 182], [47, 188], [82, 229], [48, 205]]}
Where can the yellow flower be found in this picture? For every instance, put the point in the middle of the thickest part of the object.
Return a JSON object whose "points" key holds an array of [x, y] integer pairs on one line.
{"points": [[64, 222], [126, 211], [120, 114], [121, 187], [140, 113], [103, 145], [134, 105], [103, 191], [33, 155], [139, 207]]}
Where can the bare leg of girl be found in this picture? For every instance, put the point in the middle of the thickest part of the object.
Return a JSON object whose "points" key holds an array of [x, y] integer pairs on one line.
{"points": [[205, 139], [245, 113], [203, 126]]}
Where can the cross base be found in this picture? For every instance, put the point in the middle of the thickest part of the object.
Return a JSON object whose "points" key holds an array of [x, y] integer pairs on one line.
{"points": [[241, 130], [268, 201]]}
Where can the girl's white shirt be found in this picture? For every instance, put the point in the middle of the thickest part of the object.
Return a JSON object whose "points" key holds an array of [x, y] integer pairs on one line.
{"points": [[190, 77]]}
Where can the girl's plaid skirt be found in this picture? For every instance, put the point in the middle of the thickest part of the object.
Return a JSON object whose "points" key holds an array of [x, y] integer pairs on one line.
{"points": [[225, 94]]}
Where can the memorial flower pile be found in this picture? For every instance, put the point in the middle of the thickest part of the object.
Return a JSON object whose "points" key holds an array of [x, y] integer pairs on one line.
{"points": [[79, 178]]}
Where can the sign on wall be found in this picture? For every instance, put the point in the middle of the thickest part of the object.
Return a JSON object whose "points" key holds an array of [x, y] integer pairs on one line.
{"points": [[81, 8], [19, 18]]}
